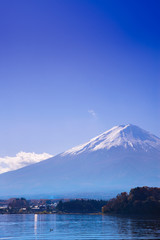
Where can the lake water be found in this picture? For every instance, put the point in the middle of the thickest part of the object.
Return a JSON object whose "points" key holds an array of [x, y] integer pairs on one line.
{"points": [[78, 227]]}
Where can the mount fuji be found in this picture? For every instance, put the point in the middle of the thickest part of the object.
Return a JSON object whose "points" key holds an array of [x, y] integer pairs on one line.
{"points": [[123, 157]]}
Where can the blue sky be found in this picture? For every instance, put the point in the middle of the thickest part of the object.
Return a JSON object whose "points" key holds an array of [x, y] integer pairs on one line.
{"points": [[70, 70]]}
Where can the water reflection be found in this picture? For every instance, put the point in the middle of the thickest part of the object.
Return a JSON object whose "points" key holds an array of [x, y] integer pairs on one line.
{"points": [[138, 227], [35, 224], [79, 227]]}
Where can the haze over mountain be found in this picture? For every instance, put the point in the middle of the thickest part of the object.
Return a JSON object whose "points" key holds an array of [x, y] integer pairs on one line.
{"points": [[123, 157]]}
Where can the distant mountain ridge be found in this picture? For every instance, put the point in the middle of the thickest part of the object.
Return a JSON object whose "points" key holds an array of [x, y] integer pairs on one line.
{"points": [[123, 157]]}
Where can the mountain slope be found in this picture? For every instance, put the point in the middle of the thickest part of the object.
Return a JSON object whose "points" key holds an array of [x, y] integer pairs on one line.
{"points": [[121, 158]]}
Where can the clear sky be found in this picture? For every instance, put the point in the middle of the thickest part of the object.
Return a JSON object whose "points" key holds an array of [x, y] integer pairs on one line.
{"points": [[72, 69]]}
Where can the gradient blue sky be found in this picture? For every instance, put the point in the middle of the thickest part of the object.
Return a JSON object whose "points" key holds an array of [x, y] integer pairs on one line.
{"points": [[70, 70]]}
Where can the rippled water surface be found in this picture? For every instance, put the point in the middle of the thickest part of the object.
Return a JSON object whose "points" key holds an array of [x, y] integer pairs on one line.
{"points": [[68, 227]]}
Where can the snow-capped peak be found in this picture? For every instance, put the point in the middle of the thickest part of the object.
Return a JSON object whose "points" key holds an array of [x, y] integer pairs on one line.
{"points": [[124, 135]]}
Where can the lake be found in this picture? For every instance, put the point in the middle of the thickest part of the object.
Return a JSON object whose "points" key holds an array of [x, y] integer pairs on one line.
{"points": [[78, 227]]}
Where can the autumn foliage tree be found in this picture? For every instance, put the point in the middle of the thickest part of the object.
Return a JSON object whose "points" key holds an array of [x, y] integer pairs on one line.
{"points": [[18, 203], [140, 200]]}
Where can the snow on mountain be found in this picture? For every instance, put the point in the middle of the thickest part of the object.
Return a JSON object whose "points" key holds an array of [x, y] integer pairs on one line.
{"points": [[21, 159], [123, 157], [123, 135]]}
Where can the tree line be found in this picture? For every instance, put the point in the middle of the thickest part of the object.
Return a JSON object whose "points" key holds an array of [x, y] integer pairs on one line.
{"points": [[140, 200], [81, 206]]}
